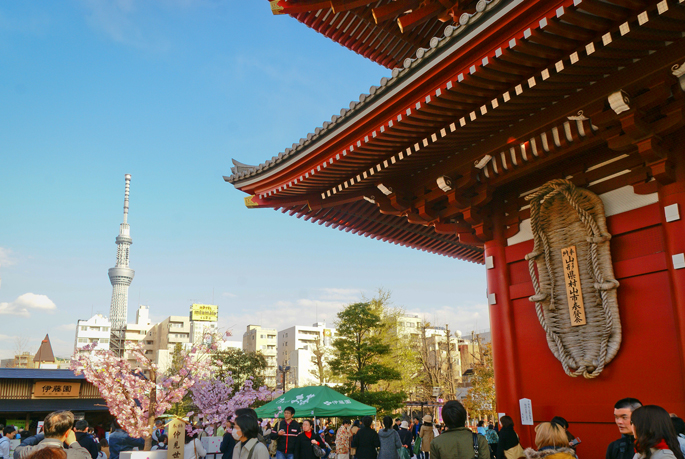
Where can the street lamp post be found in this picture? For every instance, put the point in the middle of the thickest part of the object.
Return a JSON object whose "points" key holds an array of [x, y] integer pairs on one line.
{"points": [[284, 369]]}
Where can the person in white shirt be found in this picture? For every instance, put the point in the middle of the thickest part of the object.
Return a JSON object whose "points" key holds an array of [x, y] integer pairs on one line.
{"points": [[193, 448]]}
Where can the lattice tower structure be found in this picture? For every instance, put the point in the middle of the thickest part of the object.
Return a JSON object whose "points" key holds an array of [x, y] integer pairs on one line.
{"points": [[121, 276]]}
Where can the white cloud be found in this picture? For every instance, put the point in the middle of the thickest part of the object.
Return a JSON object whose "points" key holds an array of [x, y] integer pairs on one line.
{"points": [[66, 327], [118, 20], [6, 257], [128, 21], [466, 318], [341, 294], [27, 302], [229, 295], [324, 304]]}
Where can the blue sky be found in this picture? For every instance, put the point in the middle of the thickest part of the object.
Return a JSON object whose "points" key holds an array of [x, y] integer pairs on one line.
{"points": [[169, 91]]}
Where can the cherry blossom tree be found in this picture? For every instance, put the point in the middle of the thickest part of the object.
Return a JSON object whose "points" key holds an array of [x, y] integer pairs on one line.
{"points": [[216, 401], [137, 394]]}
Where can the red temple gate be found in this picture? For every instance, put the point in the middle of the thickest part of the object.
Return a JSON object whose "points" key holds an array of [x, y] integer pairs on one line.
{"points": [[494, 99]]}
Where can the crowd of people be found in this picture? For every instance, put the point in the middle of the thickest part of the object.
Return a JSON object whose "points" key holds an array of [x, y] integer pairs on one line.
{"points": [[647, 432]]}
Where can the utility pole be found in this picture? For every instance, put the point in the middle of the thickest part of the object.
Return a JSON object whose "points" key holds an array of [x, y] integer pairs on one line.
{"points": [[451, 391]]}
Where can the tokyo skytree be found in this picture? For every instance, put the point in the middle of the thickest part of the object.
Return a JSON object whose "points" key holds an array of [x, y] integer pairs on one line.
{"points": [[121, 276]]}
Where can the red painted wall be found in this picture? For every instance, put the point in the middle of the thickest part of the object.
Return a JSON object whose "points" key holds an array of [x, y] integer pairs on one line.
{"points": [[649, 364]]}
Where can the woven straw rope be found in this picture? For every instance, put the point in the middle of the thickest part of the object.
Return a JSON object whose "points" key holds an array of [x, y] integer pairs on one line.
{"points": [[563, 215]]}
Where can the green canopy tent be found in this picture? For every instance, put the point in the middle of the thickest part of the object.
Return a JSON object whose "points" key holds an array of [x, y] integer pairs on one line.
{"points": [[315, 401]]}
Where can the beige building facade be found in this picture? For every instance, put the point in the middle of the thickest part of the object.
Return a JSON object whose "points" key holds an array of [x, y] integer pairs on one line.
{"points": [[258, 339]]}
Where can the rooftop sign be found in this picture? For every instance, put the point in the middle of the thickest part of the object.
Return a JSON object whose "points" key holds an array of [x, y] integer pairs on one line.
{"points": [[204, 312]]}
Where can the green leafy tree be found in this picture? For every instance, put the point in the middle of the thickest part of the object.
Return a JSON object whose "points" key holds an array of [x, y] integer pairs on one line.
{"points": [[320, 357], [403, 347], [481, 399], [186, 404], [359, 349], [241, 365]]}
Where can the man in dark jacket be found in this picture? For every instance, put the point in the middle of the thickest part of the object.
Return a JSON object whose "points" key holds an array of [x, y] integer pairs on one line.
{"points": [[624, 447], [85, 439], [286, 433], [457, 441], [120, 440], [366, 441], [58, 432]]}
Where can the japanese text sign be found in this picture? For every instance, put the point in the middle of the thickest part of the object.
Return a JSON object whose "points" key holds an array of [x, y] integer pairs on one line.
{"points": [[177, 439], [526, 411], [574, 293], [56, 389]]}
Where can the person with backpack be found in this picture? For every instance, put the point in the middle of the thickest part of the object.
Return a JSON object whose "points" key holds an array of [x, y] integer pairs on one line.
{"points": [[8, 433], [458, 442]]}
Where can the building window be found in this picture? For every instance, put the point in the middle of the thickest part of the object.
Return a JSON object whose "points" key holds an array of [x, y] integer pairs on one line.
{"points": [[82, 340], [84, 328]]}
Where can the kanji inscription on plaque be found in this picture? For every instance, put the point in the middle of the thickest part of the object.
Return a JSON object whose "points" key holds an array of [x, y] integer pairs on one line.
{"points": [[574, 293]]}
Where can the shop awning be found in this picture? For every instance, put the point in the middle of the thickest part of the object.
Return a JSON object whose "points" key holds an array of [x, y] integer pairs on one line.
{"points": [[42, 405], [319, 401]]}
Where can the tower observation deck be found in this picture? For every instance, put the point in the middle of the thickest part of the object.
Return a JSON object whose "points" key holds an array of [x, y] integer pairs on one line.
{"points": [[121, 276]]}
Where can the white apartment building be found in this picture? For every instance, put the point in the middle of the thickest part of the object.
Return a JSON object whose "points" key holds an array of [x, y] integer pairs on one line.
{"points": [[198, 330], [263, 340], [162, 338], [409, 326], [95, 330], [295, 349], [136, 332]]}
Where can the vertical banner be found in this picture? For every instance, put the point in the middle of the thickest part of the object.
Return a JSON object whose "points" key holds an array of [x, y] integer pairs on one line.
{"points": [[526, 411], [177, 439], [576, 308]]}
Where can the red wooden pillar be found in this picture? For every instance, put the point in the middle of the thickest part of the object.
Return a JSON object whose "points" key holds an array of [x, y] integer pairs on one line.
{"points": [[502, 325], [674, 237]]}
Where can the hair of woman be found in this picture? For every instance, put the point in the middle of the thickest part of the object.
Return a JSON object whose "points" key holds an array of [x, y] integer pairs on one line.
{"points": [[506, 421], [48, 453], [387, 422], [248, 425], [652, 424], [550, 434], [561, 421]]}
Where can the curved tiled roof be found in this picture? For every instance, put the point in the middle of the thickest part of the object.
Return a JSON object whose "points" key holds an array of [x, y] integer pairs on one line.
{"points": [[242, 171]]}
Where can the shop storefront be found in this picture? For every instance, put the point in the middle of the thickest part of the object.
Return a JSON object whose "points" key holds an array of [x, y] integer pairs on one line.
{"points": [[28, 395]]}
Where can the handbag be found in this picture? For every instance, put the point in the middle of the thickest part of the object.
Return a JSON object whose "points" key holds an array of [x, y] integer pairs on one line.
{"points": [[318, 451], [417, 445], [403, 453], [515, 452], [273, 446]]}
